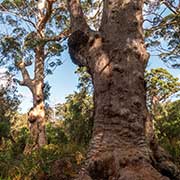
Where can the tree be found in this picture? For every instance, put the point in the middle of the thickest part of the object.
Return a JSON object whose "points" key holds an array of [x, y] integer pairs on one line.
{"points": [[116, 57], [162, 30], [167, 127], [33, 38], [77, 111], [160, 85]]}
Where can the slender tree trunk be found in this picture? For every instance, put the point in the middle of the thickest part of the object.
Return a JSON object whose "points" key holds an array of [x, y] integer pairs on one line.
{"points": [[116, 59], [36, 115]]}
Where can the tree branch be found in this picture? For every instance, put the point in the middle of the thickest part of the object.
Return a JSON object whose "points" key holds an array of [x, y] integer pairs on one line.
{"points": [[59, 37], [4, 10], [27, 81], [44, 19], [168, 5], [78, 21]]}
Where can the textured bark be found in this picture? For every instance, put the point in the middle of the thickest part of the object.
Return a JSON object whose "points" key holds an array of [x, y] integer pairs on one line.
{"points": [[36, 118], [116, 59]]}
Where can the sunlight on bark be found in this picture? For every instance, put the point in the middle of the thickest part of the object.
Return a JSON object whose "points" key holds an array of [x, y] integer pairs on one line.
{"points": [[96, 44], [102, 65]]}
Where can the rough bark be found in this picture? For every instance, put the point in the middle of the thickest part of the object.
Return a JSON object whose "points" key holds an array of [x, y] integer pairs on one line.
{"points": [[116, 59]]}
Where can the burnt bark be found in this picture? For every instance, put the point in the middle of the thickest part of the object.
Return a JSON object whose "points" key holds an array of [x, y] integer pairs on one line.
{"points": [[116, 58]]}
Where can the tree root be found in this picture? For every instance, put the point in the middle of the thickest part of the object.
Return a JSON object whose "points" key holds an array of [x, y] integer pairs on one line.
{"points": [[116, 168], [163, 162]]}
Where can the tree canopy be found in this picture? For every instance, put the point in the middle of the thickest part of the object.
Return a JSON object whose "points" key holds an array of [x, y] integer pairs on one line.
{"points": [[162, 31]]}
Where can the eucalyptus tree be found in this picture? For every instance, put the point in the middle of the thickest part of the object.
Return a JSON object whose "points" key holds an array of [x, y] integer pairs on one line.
{"points": [[77, 111], [32, 38], [161, 85], [115, 56], [167, 127], [162, 30]]}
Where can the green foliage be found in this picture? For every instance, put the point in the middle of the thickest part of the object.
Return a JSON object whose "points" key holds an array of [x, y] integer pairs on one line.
{"points": [[163, 32], [160, 85], [4, 128], [55, 134], [40, 164], [84, 81], [77, 116], [168, 127], [21, 139], [77, 111], [9, 100]]}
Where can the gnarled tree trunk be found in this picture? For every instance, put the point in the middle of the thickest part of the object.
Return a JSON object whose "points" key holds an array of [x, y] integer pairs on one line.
{"points": [[36, 115], [116, 59]]}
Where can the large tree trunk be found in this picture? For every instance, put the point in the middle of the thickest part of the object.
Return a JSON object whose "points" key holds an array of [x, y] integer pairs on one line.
{"points": [[116, 59]]}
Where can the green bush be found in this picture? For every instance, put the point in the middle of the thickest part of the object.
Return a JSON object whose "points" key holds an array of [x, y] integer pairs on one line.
{"points": [[55, 134], [40, 163]]}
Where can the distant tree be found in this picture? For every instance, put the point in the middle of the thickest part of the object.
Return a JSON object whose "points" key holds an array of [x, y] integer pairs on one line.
{"points": [[160, 86], [34, 38], [56, 133], [77, 111], [162, 19], [167, 127]]}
